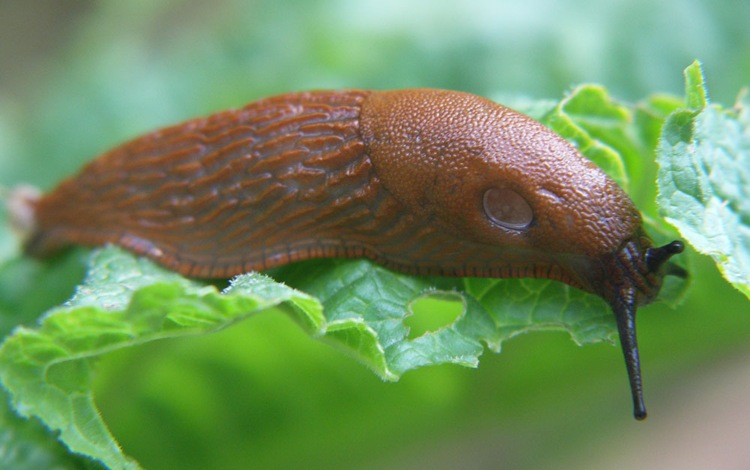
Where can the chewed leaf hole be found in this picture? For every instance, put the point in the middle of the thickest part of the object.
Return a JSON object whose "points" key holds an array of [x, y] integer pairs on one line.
{"points": [[433, 312]]}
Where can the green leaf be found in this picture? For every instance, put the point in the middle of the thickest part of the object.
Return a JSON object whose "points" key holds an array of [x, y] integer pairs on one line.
{"points": [[368, 303], [620, 138], [357, 306], [127, 301], [21, 300], [590, 119], [696, 93], [102, 84], [124, 302], [27, 445], [704, 179]]}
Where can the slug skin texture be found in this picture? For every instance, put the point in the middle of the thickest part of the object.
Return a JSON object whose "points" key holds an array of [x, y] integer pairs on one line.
{"points": [[427, 182]]}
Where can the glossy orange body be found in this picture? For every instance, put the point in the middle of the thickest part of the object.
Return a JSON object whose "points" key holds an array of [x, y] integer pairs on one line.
{"points": [[402, 177], [394, 176]]}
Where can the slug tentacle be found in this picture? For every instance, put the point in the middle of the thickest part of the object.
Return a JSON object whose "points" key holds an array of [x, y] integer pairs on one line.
{"points": [[624, 307], [656, 257], [428, 182], [635, 278]]}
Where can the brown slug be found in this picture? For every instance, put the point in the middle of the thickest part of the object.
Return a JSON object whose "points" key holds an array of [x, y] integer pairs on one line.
{"points": [[427, 182]]}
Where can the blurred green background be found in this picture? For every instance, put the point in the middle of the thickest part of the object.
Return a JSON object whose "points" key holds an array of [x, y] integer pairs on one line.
{"points": [[78, 76]]}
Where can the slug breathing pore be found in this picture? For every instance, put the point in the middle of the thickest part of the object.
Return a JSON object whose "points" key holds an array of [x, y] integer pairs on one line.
{"points": [[427, 182]]}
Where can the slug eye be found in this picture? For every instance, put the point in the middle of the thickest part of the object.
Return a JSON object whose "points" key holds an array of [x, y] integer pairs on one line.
{"points": [[507, 208]]}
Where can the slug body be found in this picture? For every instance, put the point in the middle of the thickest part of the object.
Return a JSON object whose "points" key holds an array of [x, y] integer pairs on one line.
{"points": [[427, 182]]}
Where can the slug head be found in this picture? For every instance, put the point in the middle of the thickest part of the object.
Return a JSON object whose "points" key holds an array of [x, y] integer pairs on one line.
{"points": [[511, 192], [634, 275], [499, 182]]}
